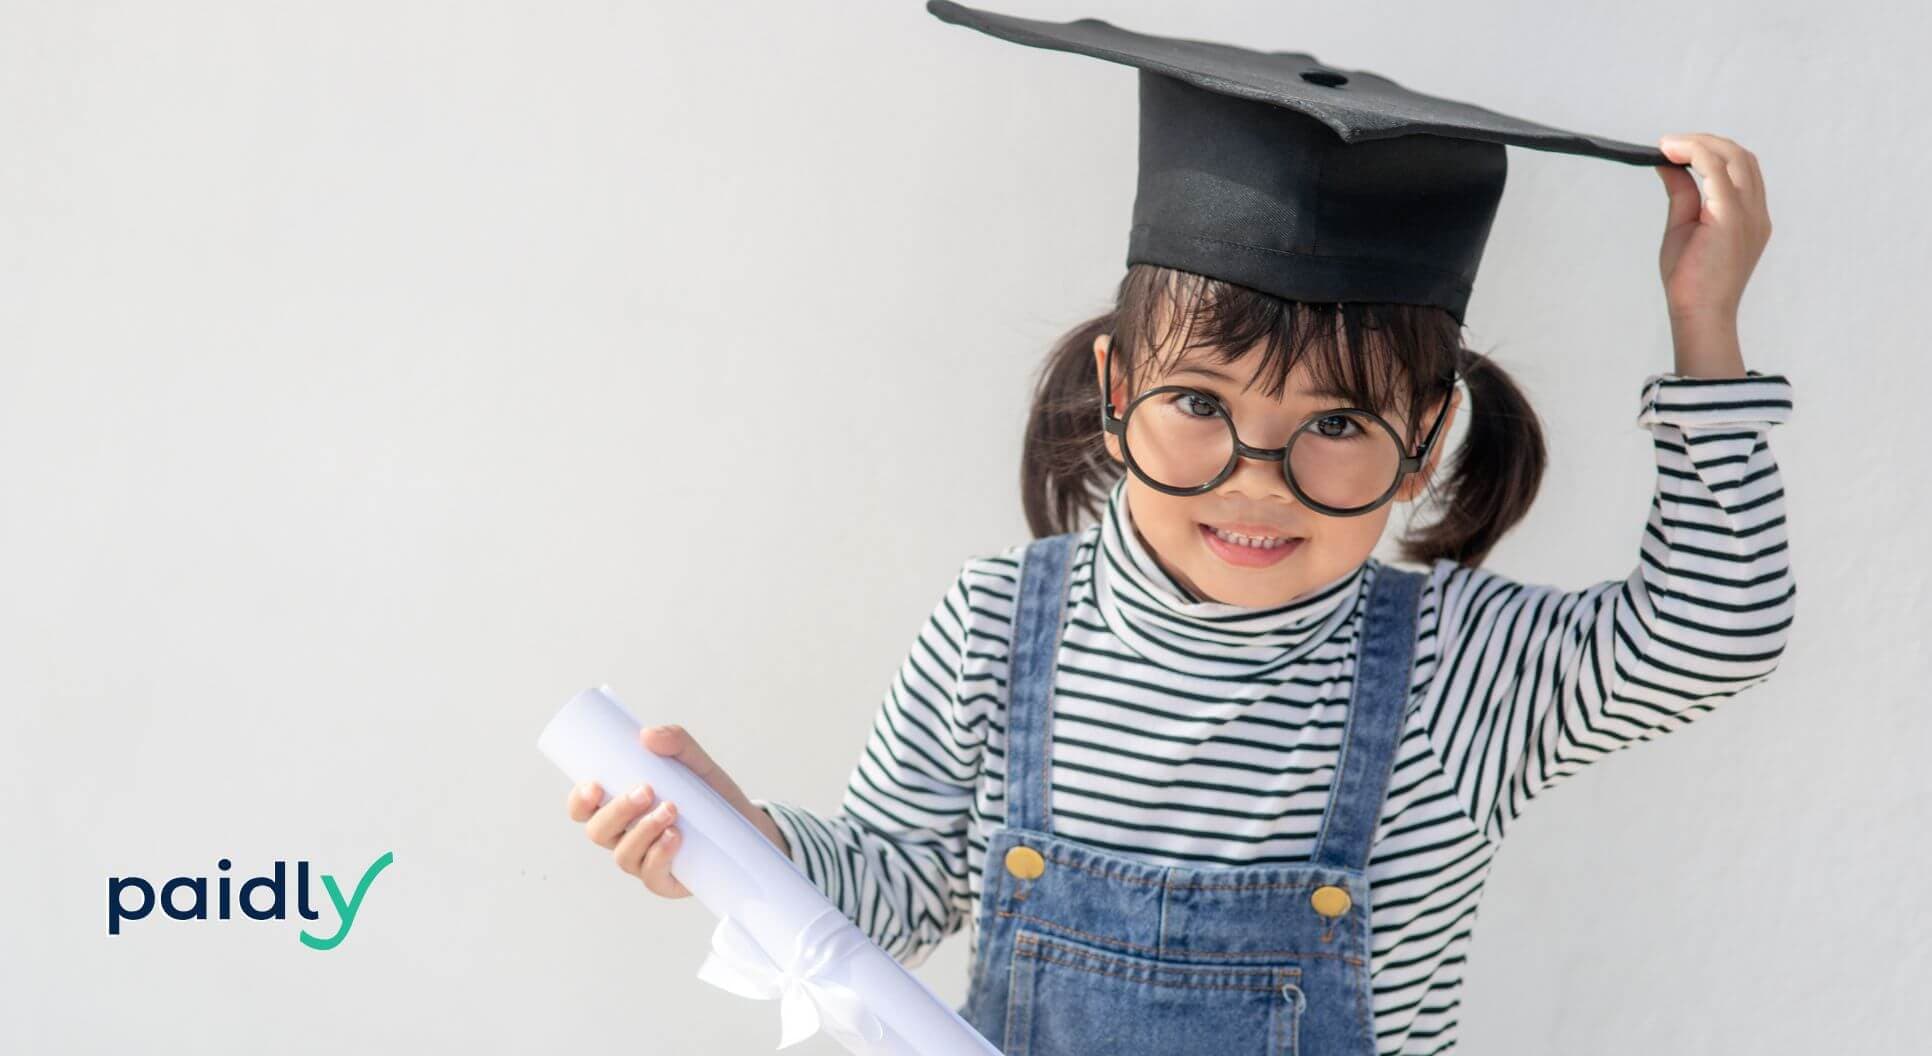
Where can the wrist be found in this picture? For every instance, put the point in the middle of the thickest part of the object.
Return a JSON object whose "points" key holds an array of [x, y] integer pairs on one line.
{"points": [[1706, 345]]}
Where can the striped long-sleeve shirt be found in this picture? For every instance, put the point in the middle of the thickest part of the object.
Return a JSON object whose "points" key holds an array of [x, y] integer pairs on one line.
{"points": [[1195, 733]]}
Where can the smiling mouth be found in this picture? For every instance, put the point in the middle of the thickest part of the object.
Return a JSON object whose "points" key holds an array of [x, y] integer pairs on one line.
{"points": [[1248, 551], [1252, 539]]}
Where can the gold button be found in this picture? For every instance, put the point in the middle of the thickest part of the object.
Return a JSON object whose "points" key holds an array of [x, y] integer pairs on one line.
{"points": [[1025, 863], [1330, 901]]}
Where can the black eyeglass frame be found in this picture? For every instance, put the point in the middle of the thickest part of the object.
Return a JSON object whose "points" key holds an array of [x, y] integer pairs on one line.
{"points": [[1407, 465]]}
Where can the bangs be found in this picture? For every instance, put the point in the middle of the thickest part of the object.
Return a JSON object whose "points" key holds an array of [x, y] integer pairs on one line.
{"points": [[1384, 357]]}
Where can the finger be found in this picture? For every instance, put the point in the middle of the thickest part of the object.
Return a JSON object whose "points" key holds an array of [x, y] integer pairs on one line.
{"points": [[629, 850], [1754, 179], [1685, 201], [609, 822], [1741, 166], [1757, 172], [1719, 192], [583, 799], [656, 872], [676, 742], [1730, 164], [1737, 164], [1696, 150]]}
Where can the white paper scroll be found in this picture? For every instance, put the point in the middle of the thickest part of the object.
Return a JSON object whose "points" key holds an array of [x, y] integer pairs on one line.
{"points": [[777, 936]]}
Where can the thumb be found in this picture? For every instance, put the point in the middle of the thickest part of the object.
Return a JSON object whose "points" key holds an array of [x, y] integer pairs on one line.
{"points": [[677, 743]]}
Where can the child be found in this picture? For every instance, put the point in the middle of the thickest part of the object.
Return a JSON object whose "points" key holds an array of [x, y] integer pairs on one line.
{"points": [[1204, 775]]}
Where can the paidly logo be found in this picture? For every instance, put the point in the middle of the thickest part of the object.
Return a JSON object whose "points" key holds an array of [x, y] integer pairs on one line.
{"points": [[274, 888]]}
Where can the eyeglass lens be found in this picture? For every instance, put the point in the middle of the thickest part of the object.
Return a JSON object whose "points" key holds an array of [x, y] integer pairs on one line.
{"points": [[1343, 459]]}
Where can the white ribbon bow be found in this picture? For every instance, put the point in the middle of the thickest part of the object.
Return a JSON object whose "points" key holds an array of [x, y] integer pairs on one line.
{"points": [[739, 964]]}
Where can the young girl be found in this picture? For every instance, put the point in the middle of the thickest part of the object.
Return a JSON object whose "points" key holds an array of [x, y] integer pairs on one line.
{"points": [[1204, 775]]}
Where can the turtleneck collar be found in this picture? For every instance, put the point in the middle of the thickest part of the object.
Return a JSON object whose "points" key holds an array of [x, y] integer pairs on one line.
{"points": [[1165, 623]]}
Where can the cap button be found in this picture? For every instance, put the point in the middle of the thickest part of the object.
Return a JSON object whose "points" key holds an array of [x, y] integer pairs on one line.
{"points": [[1330, 901], [1025, 863]]}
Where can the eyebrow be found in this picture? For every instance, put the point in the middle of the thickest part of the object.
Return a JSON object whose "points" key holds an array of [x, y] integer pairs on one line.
{"points": [[1197, 367]]}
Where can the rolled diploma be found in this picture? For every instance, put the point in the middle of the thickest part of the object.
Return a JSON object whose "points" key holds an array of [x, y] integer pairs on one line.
{"points": [[737, 873]]}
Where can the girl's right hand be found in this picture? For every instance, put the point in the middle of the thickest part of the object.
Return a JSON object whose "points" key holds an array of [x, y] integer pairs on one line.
{"points": [[645, 849]]}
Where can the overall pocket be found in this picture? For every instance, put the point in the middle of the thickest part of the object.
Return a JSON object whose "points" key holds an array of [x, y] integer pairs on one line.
{"points": [[1066, 996]]}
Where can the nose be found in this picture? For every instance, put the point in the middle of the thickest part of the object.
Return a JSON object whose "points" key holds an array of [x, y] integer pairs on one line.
{"points": [[1259, 478]]}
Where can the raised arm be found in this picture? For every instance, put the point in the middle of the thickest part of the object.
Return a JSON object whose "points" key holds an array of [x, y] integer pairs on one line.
{"points": [[1533, 684]]}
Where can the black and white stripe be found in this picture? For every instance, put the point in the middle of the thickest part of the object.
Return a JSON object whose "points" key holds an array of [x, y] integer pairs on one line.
{"points": [[1193, 733]]}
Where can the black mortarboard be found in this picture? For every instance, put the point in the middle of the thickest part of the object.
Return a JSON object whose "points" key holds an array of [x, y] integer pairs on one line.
{"points": [[1273, 171]]}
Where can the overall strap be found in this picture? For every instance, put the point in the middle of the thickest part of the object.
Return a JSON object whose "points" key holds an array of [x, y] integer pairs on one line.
{"points": [[1379, 700], [1039, 608]]}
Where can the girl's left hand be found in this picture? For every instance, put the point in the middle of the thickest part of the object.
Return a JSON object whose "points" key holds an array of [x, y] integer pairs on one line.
{"points": [[1710, 245]]}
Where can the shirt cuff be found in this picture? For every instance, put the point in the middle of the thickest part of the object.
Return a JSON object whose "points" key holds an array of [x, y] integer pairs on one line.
{"points": [[1683, 401]]}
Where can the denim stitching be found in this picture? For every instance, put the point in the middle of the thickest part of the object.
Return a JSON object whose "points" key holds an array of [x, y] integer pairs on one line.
{"points": [[1285, 885], [1211, 954], [1068, 958]]}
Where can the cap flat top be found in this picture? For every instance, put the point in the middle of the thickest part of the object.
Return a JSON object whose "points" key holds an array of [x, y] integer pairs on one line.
{"points": [[1357, 104]]}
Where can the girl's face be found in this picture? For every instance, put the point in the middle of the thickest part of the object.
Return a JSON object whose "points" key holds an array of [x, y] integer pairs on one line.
{"points": [[1255, 500]]}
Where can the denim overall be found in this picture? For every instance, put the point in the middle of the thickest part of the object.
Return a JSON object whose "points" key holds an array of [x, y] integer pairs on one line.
{"points": [[1086, 951]]}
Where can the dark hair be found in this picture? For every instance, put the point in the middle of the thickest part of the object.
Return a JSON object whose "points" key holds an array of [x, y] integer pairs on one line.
{"points": [[1390, 358]]}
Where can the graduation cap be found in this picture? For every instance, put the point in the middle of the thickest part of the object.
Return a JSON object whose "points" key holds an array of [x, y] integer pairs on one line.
{"points": [[1271, 170]]}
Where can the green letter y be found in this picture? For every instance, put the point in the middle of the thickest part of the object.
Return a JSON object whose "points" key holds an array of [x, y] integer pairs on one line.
{"points": [[346, 910]]}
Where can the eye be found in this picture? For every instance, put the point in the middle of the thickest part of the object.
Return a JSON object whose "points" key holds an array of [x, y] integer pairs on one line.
{"points": [[1194, 405], [1336, 426]]}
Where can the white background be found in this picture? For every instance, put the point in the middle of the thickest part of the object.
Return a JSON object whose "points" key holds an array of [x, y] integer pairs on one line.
{"points": [[373, 376]]}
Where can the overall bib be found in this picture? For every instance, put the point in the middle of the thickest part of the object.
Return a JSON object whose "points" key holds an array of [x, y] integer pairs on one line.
{"points": [[1086, 951]]}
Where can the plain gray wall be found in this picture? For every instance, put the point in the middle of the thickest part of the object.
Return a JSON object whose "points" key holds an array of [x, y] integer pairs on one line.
{"points": [[378, 375]]}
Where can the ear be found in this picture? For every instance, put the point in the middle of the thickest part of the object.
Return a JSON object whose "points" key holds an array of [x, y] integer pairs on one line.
{"points": [[1118, 396], [1414, 483]]}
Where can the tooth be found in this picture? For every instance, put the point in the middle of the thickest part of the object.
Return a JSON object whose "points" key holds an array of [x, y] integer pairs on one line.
{"points": [[1258, 542]]}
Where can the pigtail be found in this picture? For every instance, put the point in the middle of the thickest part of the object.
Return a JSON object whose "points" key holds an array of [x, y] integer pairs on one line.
{"points": [[1064, 467], [1492, 478]]}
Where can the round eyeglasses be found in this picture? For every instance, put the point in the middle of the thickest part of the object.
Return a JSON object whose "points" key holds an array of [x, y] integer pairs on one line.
{"points": [[1343, 462]]}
